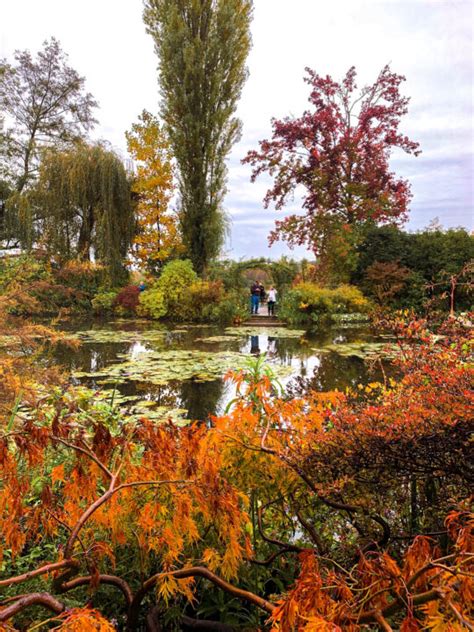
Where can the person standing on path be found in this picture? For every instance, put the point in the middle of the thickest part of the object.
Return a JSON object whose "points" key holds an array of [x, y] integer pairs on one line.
{"points": [[271, 300], [255, 297]]}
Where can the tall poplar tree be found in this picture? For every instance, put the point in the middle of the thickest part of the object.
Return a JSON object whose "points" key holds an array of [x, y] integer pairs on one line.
{"points": [[202, 47]]}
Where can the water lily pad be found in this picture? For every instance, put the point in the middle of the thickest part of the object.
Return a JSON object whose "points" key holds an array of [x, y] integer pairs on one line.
{"points": [[360, 349], [163, 367], [271, 332], [107, 336], [216, 339], [158, 414]]}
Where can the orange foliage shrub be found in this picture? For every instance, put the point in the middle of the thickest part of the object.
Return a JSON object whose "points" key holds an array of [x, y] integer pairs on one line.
{"points": [[85, 620], [362, 491]]}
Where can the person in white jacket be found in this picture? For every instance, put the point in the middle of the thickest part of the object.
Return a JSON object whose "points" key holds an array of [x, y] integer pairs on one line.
{"points": [[271, 300]]}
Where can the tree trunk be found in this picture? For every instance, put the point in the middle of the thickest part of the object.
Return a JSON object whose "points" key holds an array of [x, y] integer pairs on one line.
{"points": [[85, 235]]}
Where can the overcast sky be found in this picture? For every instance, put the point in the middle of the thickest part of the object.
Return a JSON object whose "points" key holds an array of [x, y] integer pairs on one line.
{"points": [[428, 41]]}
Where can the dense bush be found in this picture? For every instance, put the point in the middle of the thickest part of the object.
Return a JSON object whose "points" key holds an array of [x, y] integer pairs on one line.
{"points": [[82, 275], [174, 283], [52, 296], [104, 301], [308, 303], [152, 303], [232, 308], [126, 300], [16, 271], [180, 295], [430, 256], [392, 285], [36, 285], [204, 294]]}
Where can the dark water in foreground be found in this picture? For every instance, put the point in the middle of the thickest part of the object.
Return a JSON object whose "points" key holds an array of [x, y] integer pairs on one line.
{"points": [[182, 368]]}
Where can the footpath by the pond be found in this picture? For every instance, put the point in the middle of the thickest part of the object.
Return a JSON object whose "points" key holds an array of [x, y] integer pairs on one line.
{"points": [[263, 319]]}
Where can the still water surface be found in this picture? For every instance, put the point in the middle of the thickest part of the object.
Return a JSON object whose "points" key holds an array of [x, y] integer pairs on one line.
{"points": [[192, 361]]}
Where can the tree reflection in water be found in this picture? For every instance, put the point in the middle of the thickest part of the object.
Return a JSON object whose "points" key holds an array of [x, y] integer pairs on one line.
{"points": [[201, 399], [312, 367]]}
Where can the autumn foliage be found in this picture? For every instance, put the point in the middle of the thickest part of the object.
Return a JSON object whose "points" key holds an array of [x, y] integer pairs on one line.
{"points": [[357, 500], [338, 153], [157, 237]]}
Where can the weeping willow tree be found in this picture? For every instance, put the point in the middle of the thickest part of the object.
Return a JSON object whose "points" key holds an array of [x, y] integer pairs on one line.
{"points": [[84, 203]]}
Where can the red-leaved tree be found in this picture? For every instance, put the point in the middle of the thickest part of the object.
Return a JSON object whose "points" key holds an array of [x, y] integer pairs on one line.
{"points": [[338, 152]]}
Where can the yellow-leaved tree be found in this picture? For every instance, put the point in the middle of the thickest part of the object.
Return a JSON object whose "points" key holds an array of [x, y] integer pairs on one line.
{"points": [[158, 237]]}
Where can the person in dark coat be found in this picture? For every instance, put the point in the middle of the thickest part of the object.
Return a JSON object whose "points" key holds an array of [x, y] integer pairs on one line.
{"points": [[255, 297]]}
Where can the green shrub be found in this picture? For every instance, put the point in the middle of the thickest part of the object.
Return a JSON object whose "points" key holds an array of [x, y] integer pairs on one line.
{"points": [[152, 304], [180, 295], [104, 301], [22, 270], [430, 256], [231, 308], [203, 297], [174, 283], [308, 303]]}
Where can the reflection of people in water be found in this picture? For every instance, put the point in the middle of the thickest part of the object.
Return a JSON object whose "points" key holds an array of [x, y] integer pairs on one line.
{"points": [[271, 347], [254, 348]]}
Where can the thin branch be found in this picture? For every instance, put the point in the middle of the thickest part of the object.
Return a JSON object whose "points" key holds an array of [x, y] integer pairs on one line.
{"points": [[48, 568], [459, 616], [284, 545], [194, 571], [201, 571], [417, 600], [312, 532], [382, 622], [269, 559], [34, 599], [414, 578], [111, 580], [87, 453]]}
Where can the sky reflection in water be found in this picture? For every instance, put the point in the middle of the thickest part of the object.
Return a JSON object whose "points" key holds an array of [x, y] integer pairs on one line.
{"points": [[307, 363]]}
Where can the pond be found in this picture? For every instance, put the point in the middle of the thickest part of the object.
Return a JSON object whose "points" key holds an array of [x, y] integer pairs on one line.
{"points": [[179, 371]]}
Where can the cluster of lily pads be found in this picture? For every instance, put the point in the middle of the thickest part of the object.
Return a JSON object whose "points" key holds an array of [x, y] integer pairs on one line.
{"points": [[108, 336], [163, 367], [232, 333], [360, 349]]}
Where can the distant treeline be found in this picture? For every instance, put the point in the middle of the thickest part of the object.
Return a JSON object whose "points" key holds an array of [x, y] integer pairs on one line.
{"points": [[403, 269]]}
